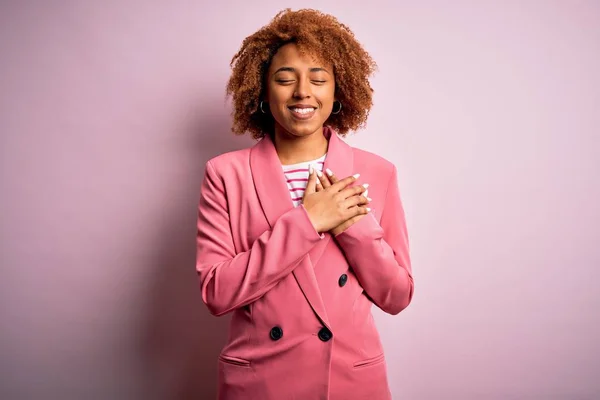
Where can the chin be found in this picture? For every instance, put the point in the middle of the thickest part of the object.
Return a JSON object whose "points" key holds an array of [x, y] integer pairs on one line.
{"points": [[301, 130]]}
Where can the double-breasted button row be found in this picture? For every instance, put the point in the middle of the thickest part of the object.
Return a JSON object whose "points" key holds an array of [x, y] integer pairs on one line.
{"points": [[324, 334], [277, 333]]}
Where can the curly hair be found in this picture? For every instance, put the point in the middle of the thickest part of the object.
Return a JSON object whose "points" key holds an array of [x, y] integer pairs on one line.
{"points": [[313, 32]]}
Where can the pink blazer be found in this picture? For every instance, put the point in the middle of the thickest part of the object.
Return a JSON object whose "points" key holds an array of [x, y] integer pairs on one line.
{"points": [[301, 302]]}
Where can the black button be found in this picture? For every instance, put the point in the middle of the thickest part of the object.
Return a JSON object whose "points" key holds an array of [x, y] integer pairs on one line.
{"points": [[343, 279], [325, 334], [276, 333]]}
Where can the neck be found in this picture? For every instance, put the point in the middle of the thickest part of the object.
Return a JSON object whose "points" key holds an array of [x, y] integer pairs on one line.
{"points": [[294, 149]]}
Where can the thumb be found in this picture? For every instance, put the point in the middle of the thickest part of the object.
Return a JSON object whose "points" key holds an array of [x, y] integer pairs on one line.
{"points": [[311, 185]]}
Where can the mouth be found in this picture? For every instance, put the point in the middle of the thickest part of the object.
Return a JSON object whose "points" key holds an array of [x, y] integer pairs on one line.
{"points": [[302, 113]]}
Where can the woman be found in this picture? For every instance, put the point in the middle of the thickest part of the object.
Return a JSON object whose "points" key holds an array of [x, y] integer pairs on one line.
{"points": [[298, 255]]}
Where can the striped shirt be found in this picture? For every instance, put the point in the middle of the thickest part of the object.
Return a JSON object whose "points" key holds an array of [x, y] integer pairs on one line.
{"points": [[296, 176]]}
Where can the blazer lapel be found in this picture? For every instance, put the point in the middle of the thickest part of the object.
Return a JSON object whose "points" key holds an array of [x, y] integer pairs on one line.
{"points": [[269, 180], [340, 157], [275, 200]]}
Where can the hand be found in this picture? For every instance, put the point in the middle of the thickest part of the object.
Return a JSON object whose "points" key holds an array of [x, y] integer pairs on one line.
{"points": [[326, 181], [334, 205]]}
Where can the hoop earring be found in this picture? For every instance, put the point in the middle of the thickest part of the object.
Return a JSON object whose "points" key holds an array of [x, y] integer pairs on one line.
{"points": [[338, 111], [261, 107]]}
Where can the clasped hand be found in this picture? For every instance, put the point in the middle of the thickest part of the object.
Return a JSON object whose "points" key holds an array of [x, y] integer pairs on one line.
{"points": [[332, 204]]}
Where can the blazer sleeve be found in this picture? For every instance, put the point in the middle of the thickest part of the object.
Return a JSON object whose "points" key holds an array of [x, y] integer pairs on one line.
{"points": [[379, 254], [230, 280]]}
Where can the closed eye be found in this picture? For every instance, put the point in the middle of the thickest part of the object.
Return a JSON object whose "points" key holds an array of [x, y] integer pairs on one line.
{"points": [[283, 81]]}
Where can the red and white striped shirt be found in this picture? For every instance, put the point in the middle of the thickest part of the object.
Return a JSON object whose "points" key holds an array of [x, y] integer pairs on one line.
{"points": [[296, 176]]}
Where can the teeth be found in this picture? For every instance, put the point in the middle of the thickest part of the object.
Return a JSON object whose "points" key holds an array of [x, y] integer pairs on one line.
{"points": [[303, 110]]}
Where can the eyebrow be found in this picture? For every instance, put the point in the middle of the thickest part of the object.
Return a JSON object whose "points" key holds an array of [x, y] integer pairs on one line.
{"points": [[290, 69]]}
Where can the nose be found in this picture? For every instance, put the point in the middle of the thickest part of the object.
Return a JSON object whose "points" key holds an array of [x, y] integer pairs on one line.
{"points": [[302, 88]]}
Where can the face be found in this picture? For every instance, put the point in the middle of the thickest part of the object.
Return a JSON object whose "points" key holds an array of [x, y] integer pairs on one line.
{"points": [[300, 92]]}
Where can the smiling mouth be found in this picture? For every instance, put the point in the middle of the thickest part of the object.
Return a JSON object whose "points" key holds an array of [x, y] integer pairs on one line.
{"points": [[303, 112]]}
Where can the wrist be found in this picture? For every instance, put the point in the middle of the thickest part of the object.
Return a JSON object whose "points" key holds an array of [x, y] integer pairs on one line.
{"points": [[337, 230], [313, 220]]}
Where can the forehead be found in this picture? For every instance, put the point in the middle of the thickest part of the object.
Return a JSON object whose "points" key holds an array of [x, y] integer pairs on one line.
{"points": [[290, 55]]}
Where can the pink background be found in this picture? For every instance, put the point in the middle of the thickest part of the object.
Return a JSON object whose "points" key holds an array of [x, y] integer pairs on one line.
{"points": [[109, 110]]}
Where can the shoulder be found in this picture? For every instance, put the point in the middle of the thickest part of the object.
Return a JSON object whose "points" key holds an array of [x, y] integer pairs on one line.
{"points": [[226, 163], [375, 163]]}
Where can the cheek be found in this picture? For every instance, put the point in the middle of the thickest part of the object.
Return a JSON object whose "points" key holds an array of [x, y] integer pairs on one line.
{"points": [[279, 94], [326, 95], [278, 100]]}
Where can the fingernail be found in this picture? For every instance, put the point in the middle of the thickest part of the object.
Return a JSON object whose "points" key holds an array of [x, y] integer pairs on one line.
{"points": [[366, 193], [310, 169], [319, 173], [365, 185], [329, 172], [368, 198], [356, 176], [368, 209]]}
